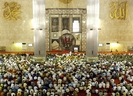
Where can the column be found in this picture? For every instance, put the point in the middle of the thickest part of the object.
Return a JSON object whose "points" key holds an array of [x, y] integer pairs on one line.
{"points": [[39, 28], [92, 28]]}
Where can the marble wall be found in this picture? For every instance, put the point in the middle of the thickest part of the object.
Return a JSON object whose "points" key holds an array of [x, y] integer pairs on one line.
{"points": [[15, 32], [115, 30], [111, 30]]}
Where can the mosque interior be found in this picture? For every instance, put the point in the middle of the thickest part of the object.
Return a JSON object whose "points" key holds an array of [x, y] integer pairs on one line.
{"points": [[66, 48]]}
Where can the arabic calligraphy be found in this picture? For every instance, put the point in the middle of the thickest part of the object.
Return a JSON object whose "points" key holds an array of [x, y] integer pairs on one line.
{"points": [[65, 1], [118, 10], [11, 11]]}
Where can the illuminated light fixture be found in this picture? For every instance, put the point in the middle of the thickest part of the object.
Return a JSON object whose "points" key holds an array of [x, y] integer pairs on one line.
{"points": [[76, 49], [18, 44], [30, 44], [100, 44], [114, 44]]}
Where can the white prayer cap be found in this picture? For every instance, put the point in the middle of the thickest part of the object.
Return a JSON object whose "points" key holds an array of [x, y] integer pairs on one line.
{"points": [[76, 89], [48, 93], [35, 78], [67, 90], [13, 94], [19, 90], [81, 88]]}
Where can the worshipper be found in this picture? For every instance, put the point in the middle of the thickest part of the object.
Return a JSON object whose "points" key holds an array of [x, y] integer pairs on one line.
{"points": [[67, 75]]}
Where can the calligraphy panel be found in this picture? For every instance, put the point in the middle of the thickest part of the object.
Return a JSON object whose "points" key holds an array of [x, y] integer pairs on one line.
{"points": [[118, 10], [11, 11]]}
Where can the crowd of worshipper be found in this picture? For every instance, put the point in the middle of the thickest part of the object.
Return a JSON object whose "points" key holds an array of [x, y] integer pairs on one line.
{"points": [[66, 75]]}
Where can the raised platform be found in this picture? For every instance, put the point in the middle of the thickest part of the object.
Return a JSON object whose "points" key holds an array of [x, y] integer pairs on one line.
{"points": [[63, 52], [47, 52]]}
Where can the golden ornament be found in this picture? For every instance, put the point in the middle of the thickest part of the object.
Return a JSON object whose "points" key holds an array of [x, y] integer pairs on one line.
{"points": [[65, 1]]}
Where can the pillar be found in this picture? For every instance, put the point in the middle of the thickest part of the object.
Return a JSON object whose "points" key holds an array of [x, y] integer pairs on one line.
{"points": [[92, 29], [39, 28]]}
